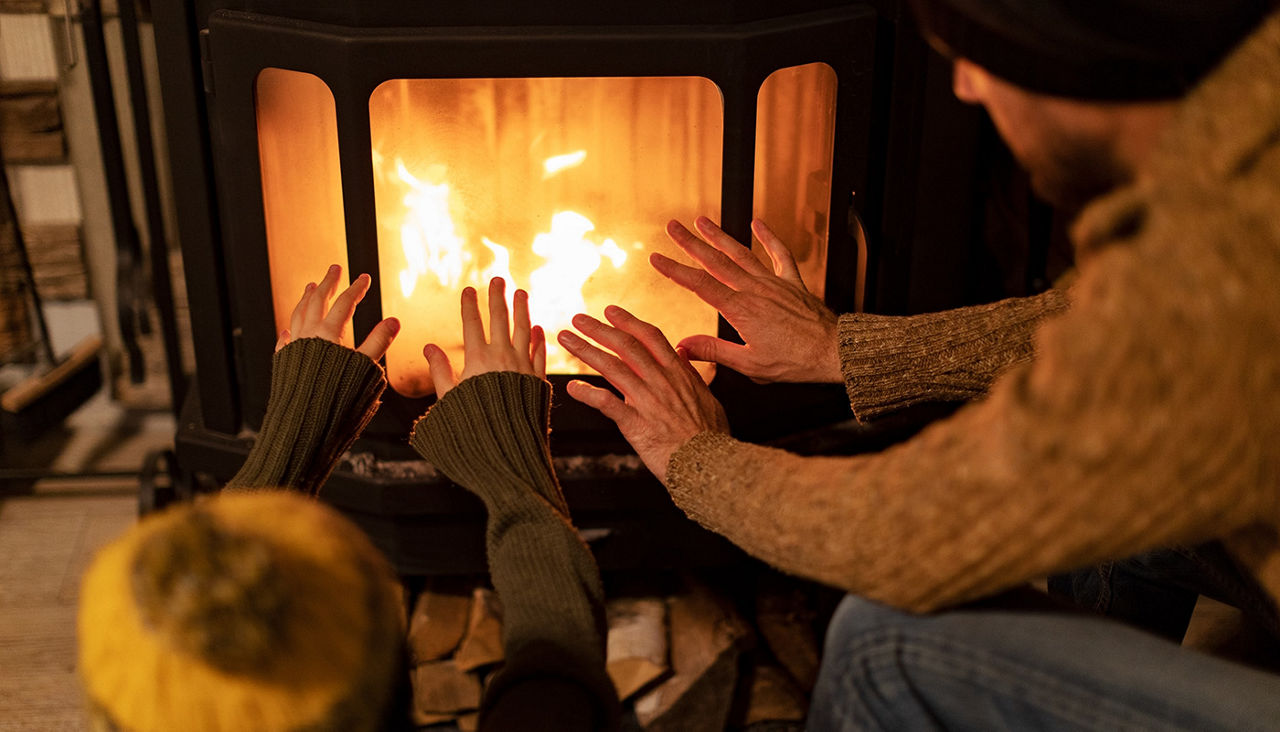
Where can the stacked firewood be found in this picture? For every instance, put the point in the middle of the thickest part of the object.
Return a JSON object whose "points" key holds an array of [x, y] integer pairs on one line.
{"points": [[15, 318], [455, 638], [33, 146], [685, 660]]}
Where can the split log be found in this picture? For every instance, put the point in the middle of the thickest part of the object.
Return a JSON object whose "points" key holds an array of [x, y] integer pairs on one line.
{"points": [[636, 649], [15, 326], [774, 697], [15, 323], [57, 261], [18, 87], [785, 616], [482, 643], [438, 621], [31, 123], [33, 147], [707, 638], [423, 719], [441, 688], [30, 112]]}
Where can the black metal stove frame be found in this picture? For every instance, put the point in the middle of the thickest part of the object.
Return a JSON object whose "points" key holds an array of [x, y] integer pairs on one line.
{"points": [[354, 61]]}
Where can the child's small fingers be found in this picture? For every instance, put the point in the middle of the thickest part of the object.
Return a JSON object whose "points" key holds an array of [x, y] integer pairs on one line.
{"points": [[538, 348], [300, 310], [441, 370]]}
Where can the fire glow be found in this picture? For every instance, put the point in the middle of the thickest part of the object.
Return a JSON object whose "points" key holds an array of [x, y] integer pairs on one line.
{"points": [[554, 184], [438, 250]]}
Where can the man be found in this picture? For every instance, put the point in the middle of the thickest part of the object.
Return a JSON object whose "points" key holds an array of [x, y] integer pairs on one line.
{"points": [[1142, 416]]}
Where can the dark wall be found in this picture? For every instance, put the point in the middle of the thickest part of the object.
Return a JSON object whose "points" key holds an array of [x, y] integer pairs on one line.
{"points": [[961, 225]]}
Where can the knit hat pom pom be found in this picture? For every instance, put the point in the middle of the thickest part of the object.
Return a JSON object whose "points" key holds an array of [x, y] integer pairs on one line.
{"points": [[213, 593]]}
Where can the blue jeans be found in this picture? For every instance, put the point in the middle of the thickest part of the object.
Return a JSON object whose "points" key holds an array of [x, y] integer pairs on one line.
{"points": [[1157, 590], [990, 669]]}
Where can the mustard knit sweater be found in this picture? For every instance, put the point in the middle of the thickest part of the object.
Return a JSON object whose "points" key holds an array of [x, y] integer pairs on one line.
{"points": [[1148, 416]]}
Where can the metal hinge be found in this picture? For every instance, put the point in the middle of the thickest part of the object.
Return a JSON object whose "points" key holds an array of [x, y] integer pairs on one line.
{"points": [[206, 62]]}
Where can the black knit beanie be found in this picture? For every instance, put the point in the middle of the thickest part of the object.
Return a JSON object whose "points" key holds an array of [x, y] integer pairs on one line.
{"points": [[1092, 49]]}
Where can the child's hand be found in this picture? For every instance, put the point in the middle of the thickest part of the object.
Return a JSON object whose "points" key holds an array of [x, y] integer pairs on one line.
{"points": [[512, 346], [313, 318]]}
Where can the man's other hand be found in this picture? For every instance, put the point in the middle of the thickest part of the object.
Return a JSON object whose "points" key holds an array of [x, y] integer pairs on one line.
{"points": [[665, 401], [789, 334]]}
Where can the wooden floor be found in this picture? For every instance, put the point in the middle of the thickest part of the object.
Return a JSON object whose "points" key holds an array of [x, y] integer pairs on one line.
{"points": [[46, 542], [49, 531]]}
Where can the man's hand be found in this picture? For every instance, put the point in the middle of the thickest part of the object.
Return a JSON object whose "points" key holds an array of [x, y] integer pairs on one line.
{"points": [[665, 401], [313, 318], [511, 346], [790, 335]]}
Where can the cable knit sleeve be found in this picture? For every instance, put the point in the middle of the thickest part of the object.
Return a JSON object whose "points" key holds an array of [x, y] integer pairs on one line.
{"points": [[893, 362], [1147, 419], [322, 396], [489, 434]]}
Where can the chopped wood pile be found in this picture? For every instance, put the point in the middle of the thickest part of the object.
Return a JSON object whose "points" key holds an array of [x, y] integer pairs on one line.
{"points": [[683, 658]]}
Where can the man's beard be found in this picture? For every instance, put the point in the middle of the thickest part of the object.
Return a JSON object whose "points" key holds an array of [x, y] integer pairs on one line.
{"points": [[1072, 172]]}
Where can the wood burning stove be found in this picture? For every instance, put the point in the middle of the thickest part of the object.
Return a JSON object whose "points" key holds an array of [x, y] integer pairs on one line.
{"points": [[433, 145]]}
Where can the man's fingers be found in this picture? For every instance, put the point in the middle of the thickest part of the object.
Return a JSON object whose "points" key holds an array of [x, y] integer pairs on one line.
{"points": [[520, 331], [683, 354], [472, 326], [784, 263], [441, 370], [499, 326], [300, 310], [345, 306], [717, 263], [319, 302], [601, 399], [379, 339], [729, 246], [717, 350], [629, 348], [608, 365], [538, 348], [697, 281], [283, 340], [650, 336]]}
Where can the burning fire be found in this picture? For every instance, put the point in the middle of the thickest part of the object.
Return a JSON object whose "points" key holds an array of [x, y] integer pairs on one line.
{"points": [[436, 247]]}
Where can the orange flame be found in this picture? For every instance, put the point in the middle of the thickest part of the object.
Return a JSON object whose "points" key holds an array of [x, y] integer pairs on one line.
{"points": [[435, 246]]}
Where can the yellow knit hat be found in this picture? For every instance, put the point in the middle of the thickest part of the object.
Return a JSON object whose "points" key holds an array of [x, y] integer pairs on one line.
{"points": [[262, 611]]}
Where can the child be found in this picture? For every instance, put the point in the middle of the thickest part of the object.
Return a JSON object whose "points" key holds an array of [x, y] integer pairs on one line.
{"points": [[259, 609]]}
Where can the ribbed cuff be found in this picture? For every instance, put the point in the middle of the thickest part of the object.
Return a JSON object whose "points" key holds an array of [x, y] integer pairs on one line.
{"points": [[489, 434], [893, 362], [694, 467], [322, 396]]}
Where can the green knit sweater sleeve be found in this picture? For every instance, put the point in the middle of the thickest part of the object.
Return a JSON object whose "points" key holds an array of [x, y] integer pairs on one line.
{"points": [[893, 362], [322, 396], [489, 434]]}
